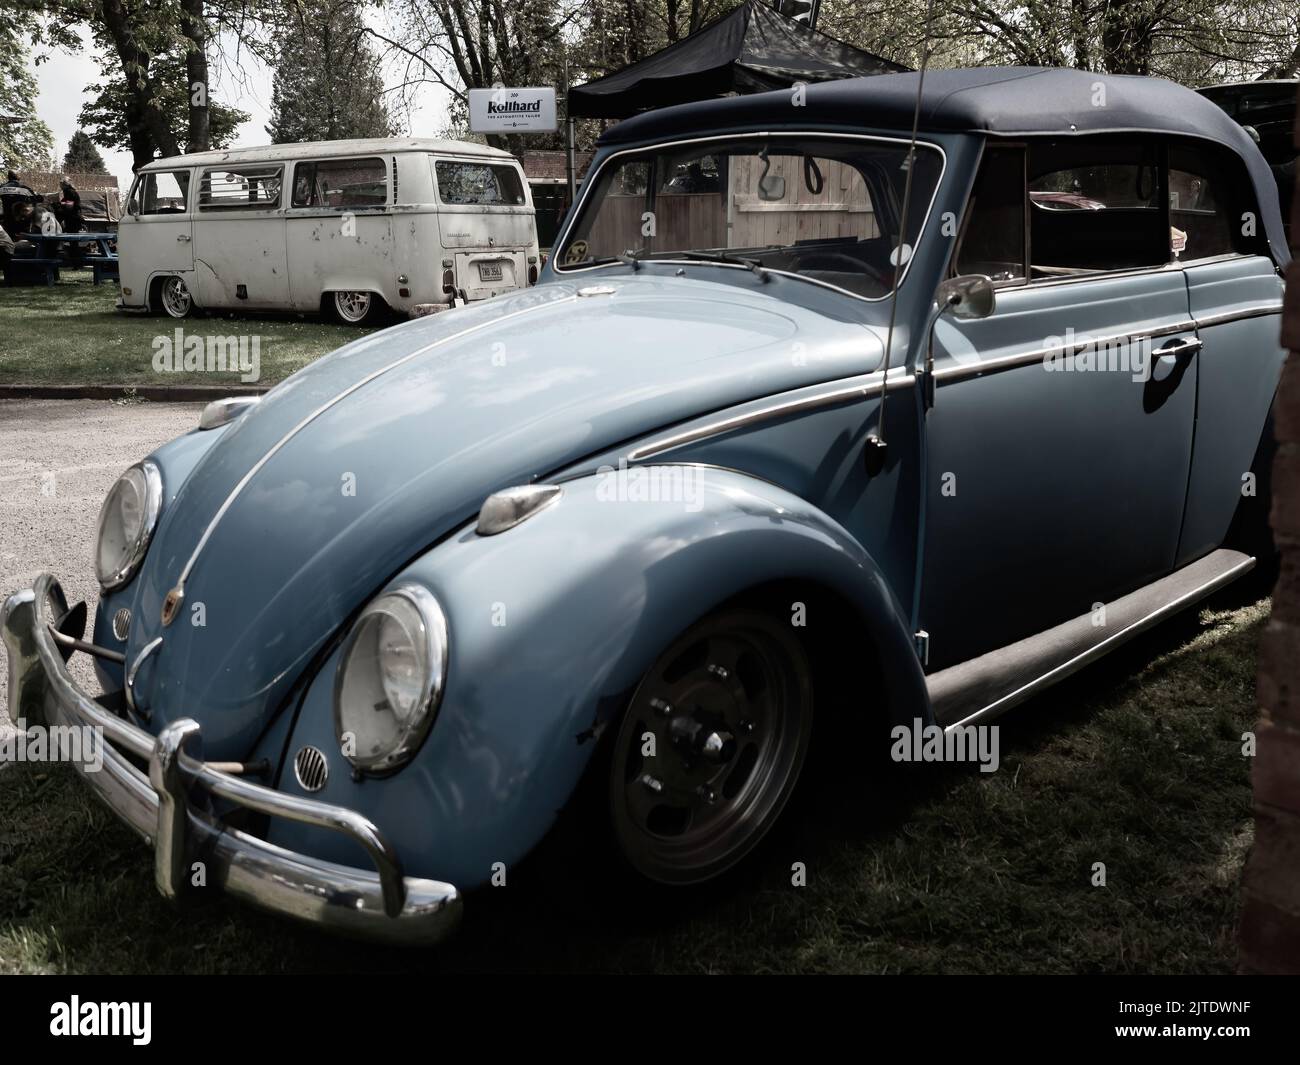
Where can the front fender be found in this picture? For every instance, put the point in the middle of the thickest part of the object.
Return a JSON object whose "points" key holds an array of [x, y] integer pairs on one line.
{"points": [[552, 624], [176, 460]]}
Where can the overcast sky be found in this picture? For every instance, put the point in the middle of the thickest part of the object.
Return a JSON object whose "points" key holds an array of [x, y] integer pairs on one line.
{"points": [[62, 80]]}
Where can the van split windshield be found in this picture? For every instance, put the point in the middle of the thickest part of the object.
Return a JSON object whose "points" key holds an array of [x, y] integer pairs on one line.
{"points": [[825, 209]]}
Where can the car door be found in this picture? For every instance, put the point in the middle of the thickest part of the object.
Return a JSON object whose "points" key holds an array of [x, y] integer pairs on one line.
{"points": [[1235, 295], [339, 229], [239, 241], [158, 236], [1059, 440]]}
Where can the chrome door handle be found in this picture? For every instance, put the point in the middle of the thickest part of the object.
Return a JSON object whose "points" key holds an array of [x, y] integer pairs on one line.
{"points": [[1171, 351], [184, 238]]}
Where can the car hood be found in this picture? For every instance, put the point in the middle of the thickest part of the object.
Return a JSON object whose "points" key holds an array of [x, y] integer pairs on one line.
{"points": [[304, 507]]}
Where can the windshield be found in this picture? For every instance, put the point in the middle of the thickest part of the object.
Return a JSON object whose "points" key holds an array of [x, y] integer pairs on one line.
{"points": [[825, 209]]}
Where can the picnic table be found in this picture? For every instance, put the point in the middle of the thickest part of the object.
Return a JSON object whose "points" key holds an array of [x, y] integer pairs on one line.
{"points": [[46, 262]]}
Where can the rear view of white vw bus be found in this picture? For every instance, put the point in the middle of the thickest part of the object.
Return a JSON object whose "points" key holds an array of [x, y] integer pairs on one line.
{"points": [[351, 229], [487, 225]]}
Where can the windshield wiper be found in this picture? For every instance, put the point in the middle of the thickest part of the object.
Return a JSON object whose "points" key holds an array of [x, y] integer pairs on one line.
{"points": [[752, 265]]}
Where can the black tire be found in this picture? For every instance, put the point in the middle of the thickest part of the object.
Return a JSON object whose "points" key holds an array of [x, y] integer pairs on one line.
{"points": [[729, 705]]}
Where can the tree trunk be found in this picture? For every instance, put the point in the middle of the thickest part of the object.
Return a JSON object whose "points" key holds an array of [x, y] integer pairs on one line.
{"points": [[195, 30], [150, 133], [1126, 38]]}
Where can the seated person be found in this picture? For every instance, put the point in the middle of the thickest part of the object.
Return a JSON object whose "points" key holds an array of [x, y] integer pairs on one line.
{"points": [[14, 249]]}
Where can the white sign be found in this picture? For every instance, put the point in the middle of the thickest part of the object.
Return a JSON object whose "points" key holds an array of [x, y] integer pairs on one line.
{"points": [[503, 110]]}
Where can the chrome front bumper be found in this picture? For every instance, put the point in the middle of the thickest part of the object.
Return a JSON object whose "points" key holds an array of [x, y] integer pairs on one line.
{"points": [[380, 905]]}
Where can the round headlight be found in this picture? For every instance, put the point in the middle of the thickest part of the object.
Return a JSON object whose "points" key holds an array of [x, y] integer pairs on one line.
{"points": [[390, 678], [126, 524]]}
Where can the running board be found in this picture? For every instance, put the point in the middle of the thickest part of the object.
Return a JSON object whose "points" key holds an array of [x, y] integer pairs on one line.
{"points": [[984, 687]]}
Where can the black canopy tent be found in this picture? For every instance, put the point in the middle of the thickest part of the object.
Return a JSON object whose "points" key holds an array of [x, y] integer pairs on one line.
{"points": [[751, 49]]}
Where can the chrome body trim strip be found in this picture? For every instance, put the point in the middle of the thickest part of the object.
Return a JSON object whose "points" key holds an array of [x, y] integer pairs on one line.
{"points": [[328, 404], [958, 371], [1259, 310], [588, 184], [379, 904], [1098, 650], [945, 374], [868, 387]]}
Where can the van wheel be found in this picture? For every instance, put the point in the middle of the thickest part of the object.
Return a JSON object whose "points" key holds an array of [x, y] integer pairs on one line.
{"points": [[730, 707], [356, 308], [175, 298]]}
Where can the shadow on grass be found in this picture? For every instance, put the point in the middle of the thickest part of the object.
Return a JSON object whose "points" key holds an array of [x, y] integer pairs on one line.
{"points": [[1135, 763]]}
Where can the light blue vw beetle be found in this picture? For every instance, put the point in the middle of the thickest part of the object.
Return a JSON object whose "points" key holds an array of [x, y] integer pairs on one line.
{"points": [[801, 414]]}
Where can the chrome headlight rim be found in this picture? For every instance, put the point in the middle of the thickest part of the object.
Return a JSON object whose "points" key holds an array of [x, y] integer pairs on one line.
{"points": [[153, 499], [433, 683]]}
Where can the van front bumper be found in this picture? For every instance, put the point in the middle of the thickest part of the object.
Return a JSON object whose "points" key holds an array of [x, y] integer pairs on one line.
{"points": [[165, 805]]}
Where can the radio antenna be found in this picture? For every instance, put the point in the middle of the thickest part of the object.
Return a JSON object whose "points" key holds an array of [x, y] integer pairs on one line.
{"points": [[876, 442]]}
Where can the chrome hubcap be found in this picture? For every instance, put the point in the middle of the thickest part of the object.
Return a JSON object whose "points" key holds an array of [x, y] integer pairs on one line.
{"points": [[176, 297], [710, 748], [352, 305]]}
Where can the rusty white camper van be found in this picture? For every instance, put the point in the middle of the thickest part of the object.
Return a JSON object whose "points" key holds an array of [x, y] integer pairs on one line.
{"points": [[346, 228]]}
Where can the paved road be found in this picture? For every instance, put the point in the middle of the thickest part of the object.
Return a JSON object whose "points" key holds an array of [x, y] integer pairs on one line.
{"points": [[58, 459]]}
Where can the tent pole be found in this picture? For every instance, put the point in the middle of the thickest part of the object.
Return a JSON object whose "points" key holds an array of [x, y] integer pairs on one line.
{"points": [[570, 142]]}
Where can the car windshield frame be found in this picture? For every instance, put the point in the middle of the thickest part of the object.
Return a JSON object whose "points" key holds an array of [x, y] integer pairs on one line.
{"points": [[594, 179]]}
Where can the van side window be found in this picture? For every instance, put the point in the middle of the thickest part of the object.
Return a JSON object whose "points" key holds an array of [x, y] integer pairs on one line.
{"points": [[993, 237], [162, 193], [1094, 206], [1207, 210], [481, 184], [341, 183], [255, 187]]}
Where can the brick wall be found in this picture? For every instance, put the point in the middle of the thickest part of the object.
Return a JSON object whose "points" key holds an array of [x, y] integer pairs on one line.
{"points": [[1270, 904]]}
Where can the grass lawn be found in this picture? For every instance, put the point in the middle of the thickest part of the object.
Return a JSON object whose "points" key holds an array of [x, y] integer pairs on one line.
{"points": [[1135, 763], [69, 334]]}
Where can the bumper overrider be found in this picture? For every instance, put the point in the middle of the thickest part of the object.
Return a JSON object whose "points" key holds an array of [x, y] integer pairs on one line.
{"points": [[160, 804]]}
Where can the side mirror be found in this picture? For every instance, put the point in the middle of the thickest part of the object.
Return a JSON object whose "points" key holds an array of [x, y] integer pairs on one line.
{"points": [[771, 188], [968, 296]]}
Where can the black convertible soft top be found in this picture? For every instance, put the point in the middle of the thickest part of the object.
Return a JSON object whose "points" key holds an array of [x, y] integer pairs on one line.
{"points": [[995, 101]]}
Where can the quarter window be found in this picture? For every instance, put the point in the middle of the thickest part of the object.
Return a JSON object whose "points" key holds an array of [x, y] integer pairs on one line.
{"points": [[479, 184], [162, 193], [341, 183], [255, 187], [1094, 205], [1205, 218]]}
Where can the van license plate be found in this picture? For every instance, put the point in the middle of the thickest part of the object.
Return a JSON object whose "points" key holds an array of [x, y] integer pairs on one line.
{"points": [[489, 271]]}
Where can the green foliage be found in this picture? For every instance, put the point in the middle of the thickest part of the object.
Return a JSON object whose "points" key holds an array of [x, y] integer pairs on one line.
{"points": [[26, 144], [82, 155], [104, 116], [328, 84]]}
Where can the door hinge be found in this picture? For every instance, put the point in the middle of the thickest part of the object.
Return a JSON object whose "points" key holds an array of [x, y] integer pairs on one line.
{"points": [[922, 641]]}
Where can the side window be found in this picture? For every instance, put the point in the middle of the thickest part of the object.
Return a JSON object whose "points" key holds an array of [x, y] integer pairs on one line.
{"points": [[341, 183], [161, 193], [1094, 206], [481, 184], [993, 234], [252, 187], [1209, 214]]}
